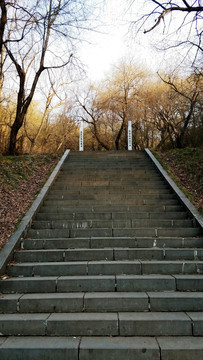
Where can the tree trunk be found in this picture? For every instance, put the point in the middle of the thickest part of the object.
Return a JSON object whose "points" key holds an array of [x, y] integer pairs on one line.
{"points": [[3, 21], [180, 138], [119, 136], [14, 132], [100, 142]]}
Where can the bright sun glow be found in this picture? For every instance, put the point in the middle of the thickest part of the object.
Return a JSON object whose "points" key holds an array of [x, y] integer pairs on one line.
{"points": [[116, 40]]}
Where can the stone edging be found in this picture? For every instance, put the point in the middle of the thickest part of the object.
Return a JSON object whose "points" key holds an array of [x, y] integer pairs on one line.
{"points": [[13, 242], [184, 200]]}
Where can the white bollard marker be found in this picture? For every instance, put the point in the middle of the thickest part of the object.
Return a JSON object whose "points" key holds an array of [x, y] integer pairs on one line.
{"points": [[129, 135], [81, 143]]}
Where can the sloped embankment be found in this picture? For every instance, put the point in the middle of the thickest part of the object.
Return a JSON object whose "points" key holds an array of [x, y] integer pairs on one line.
{"points": [[21, 178], [185, 166]]}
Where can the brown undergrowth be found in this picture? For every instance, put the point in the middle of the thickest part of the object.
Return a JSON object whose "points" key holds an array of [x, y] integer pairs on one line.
{"points": [[185, 166], [21, 178]]}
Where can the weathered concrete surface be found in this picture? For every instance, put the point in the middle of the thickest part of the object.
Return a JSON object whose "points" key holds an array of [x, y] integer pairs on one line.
{"points": [[111, 268]]}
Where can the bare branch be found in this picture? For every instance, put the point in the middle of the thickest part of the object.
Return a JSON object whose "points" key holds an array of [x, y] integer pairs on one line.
{"points": [[171, 9], [158, 20], [190, 22]]}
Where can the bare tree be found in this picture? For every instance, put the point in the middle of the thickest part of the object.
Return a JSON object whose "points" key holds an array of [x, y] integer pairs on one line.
{"points": [[108, 107], [49, 107], [189, 90], [92, 114], [35, 46], [122, 91]]}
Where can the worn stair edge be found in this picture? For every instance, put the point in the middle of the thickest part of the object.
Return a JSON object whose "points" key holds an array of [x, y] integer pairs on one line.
{"points": [[7, 252], [99, 348], [181, 196]]}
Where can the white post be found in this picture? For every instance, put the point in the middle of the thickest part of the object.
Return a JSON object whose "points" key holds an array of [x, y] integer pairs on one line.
{"points": [[81, 143], [129, 135]]}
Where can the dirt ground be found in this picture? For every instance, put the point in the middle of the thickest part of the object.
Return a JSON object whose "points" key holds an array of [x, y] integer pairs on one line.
{"points": [[20, 182]]}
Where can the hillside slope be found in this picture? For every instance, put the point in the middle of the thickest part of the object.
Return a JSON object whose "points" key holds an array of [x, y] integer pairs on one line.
{"points": [[21, 178], [185, 166]]}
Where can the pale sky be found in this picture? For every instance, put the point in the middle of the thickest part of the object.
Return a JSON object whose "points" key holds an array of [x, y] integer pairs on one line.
{"points": [[116, 41]]}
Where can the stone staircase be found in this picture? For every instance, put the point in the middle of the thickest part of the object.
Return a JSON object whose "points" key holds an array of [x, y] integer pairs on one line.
{"points": [[111, 268]]}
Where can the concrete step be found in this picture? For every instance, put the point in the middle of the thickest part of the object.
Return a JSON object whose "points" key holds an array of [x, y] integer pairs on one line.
{"points": [[52, 284], [175, 301], [125, 242], [40, 347], [81, 254], [98, 180], [108, 174], [101, 301], [107, 267], [75, 302], [63, 255], [71, 166], [112, 188], [111, 208], [100, 348], [102, 283], [113, 224], [111, 181], [111, 216], [94, 202], [90, 197], [102, 324], [150, 183], [101, 163], [159, 282], [110, 191], [116, 179], [116, 232]]}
